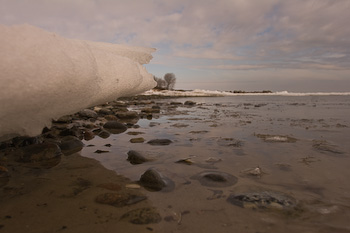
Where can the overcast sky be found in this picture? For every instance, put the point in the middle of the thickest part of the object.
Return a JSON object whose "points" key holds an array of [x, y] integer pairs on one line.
{"points": [[293, 45]]}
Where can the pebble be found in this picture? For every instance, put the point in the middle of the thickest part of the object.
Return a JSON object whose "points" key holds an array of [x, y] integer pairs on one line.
{"points": [[70, 145], [137, 140], [215, 179], [154, 181], [159, 142], [135, 157], [115, 127], [88, 113], [142, 216]]}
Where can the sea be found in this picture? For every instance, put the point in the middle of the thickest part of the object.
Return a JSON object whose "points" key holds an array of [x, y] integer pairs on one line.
{"points": [[295, 145]]}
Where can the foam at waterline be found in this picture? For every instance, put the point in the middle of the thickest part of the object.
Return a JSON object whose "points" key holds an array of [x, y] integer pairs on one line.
{"points": [[44, 76]]}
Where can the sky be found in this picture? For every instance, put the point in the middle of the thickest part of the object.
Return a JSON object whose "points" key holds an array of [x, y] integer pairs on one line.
{"points": [[278, 45]]}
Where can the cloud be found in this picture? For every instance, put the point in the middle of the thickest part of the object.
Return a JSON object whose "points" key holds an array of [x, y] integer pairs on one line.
{"points": [[222, 34]]}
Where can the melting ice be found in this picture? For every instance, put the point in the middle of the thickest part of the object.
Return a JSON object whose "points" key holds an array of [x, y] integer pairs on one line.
{"points": [[44, 76]]}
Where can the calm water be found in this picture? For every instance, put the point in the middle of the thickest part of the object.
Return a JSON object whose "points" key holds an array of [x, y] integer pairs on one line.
{"points": [[235, 135]]}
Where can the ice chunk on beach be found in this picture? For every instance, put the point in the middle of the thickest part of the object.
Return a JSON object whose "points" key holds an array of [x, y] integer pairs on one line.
{"points": [[44, 76]]}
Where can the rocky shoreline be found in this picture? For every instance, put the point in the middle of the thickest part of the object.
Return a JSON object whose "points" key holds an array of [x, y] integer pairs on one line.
{"points": [[45, 175]]}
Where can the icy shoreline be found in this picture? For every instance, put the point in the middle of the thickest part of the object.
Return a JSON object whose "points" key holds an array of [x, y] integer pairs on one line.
{"points": [[210, 93]]}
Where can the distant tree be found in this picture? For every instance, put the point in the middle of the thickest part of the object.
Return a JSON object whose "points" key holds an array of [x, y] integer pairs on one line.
{"points": [[161, 83], [170, 80]]}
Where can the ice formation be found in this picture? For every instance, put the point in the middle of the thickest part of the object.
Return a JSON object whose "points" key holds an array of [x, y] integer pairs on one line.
{"points": [[45, 76]]}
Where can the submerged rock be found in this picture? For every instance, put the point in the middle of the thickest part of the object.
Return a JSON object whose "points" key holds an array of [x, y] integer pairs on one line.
{"points": [[142, 216], [154, 181], [137, 140], [135, 157], [159, 142], [215, 179], [44, 155], [115, 127], [230, 142], [70, 145], [262, 200]]}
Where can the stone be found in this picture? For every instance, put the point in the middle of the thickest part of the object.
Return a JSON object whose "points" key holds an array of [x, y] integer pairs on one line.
{"points": [[135, 157], [70, 145], [64, 119], [115, 127], [215, 179], [150, 110], [105, 111], [190, 103], [159, 142], [262, 200], [137, 140], [88, 113], [44, 155], [152, 180], [142, 216]]}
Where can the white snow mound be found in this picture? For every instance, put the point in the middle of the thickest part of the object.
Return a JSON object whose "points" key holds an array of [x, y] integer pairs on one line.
{"points": [[44, 76]]}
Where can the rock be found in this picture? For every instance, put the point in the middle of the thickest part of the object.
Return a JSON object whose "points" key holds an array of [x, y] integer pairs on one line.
{"points": [[105, 111], [88, 113], [159, 142], [215, 179], [101, 151], [190, 103], [103, 134], [115, 127], [262, 200], [88, 135], [135, 157], [70, 145], [137, 140], [154, 181], [119, 199], [44, 155], [187, 161], [150, 110], [142, 216], [111, 118]]}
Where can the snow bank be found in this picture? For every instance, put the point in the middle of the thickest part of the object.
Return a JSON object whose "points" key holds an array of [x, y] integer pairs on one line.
{"points": [[44, 76]]}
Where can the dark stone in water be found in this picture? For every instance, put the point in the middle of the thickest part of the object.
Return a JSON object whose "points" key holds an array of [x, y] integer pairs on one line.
{"points": [[262, 200], [154, 181], [115, 127], [142, 216], [70, 145], [190, 103], [159, 142], [215, 179], [135, 157], [44, 155]]}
